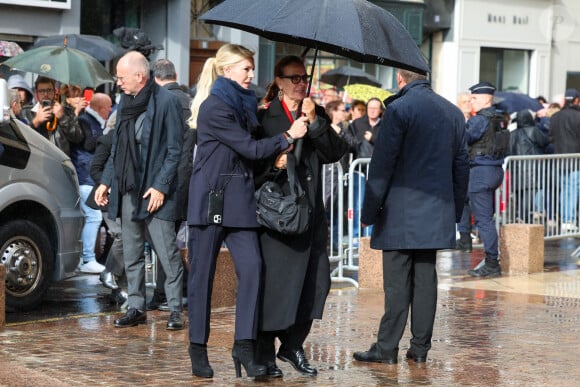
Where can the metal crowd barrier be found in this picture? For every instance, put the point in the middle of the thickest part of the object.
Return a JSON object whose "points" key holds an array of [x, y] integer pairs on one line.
{"points": [[541, 189], [344, 241]]}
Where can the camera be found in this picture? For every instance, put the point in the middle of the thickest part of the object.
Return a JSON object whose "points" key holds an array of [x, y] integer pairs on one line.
{"points": [[45, 103]]}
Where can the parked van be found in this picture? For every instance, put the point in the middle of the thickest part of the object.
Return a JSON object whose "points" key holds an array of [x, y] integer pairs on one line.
{"points": [[40, 215]]}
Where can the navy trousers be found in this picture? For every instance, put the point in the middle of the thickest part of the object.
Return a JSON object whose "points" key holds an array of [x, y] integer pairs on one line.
{"points": [[483, 181], [203, 247]]}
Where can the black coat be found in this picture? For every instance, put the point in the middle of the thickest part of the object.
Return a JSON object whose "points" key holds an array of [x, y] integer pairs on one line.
{"points": [[161, 142], [418, 173], [565, 130], [98, 163], [296, 268], [185, 166]]}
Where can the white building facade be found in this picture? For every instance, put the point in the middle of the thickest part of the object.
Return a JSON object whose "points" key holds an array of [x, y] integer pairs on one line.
{"points": [[530, 46]]}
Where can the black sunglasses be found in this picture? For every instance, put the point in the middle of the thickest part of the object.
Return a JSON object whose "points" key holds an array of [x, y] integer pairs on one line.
{"points": [[296, 78]]}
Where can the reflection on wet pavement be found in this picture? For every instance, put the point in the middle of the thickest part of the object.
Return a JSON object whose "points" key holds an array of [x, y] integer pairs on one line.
{"points": [[516, 331]]}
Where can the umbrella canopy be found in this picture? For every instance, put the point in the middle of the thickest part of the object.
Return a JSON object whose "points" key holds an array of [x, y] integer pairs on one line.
{"points": [[9, 49], [346, 75], [366, 92], [63, 64], [95, 46], [513, 102], [356, 29]]}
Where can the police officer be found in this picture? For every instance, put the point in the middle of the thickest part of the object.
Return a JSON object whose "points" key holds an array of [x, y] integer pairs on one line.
{"points": [[486, 174]]}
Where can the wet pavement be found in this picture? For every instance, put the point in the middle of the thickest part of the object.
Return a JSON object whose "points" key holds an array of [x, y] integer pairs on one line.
{"points": [[507, 331]]}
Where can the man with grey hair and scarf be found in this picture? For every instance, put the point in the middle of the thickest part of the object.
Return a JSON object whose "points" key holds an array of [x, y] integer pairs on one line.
{"points": [[139, 183]]}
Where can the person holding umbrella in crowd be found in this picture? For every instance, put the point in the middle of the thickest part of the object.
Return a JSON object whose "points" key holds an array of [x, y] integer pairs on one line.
{"points": [[50, 118], [296, 272]]}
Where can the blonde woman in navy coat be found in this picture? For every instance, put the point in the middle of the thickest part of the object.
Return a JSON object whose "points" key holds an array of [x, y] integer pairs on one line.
{"points": [[224, 113]]}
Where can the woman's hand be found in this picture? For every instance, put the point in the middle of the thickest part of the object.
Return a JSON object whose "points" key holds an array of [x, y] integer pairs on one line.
{"points": [[309, 109], [281, 160], [299, 128]]}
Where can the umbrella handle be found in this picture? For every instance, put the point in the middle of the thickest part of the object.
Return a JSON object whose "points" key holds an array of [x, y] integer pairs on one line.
{"points": [[50, 126]]}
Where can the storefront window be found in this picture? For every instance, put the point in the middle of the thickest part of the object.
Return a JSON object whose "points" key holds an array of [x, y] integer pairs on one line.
{"points": [[507, 69]]}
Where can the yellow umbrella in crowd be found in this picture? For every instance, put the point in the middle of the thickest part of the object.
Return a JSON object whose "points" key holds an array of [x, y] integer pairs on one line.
{"points": [[365, 92]]}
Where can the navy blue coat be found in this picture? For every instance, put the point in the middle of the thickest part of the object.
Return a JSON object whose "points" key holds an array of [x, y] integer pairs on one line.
{"points": [[161, 140], [418, 173], [225, 157]]}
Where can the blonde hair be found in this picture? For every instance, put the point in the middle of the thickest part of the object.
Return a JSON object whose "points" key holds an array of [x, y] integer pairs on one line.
{"points": [[227, 55]]}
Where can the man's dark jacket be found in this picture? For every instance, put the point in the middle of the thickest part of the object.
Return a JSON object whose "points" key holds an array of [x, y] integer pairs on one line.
{"points": [[160, 152], [189, 139], [565, 129], [418, 173]]}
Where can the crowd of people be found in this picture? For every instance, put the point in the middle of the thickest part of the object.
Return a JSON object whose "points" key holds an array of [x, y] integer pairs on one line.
{"points": [[156, 157]]}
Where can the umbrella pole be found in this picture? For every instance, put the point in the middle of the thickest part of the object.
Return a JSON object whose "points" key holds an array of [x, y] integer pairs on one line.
{"points": [[298, 146], [312, 73]]}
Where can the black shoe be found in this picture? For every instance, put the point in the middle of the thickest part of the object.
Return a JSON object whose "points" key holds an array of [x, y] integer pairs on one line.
{"points": [[199, 363], [243, 355], [417, 358], [175, 321], [297, 358], [109, 280], [491, 268], [464, 243], [131, 318], [373, 356], [273, 371], [164, 307]]}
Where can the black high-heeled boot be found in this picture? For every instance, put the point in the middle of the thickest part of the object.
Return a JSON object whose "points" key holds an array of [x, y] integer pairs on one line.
{"points": [[243, 354], [199, 363]]}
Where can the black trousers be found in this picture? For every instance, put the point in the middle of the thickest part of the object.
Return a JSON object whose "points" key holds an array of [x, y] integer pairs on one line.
{"points": [[409, 280], [204, 245]]}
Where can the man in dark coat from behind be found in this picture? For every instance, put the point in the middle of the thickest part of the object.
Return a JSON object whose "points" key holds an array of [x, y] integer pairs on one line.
{"points": [[414, 196]]}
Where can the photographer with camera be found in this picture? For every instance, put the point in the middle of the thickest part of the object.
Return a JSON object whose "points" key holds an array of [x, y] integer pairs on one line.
{"points": [[50, 118]]}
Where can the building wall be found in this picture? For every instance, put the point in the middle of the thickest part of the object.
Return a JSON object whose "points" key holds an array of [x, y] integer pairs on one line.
{"points": [[514, 24], [565, 23], [27, 23], [168, 23]]}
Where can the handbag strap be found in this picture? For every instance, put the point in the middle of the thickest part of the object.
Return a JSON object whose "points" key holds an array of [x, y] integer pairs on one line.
{"points": [[295, 186], [234, 168]]}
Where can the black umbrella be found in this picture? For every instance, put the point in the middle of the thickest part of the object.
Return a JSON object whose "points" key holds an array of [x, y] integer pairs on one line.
{"points": [[514, 102], [346, 75], [356, 29], [96, 46]]}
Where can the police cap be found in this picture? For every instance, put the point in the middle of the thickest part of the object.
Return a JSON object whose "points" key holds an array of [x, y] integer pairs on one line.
{"points": [[571, 95], [482, 88]]}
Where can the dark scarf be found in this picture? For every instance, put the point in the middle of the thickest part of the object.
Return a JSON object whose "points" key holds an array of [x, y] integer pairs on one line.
{"points": [[126, 156], [243, 101]]}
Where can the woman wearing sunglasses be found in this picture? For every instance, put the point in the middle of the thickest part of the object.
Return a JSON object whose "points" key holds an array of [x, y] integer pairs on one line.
{"points": [[296, 272]]}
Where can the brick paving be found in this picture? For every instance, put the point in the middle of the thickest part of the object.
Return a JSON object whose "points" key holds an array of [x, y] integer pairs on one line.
{"points": [[484, 335]]}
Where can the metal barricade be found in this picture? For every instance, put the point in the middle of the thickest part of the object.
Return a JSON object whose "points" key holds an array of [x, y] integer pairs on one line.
{"points": [[344, 241], [542, 189]]}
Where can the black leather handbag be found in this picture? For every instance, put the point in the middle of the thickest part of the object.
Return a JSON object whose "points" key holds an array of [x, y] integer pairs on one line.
{"points": [[286, 213]]}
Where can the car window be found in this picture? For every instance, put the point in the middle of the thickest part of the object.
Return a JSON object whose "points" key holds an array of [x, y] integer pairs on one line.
{"points": [[16, 149]]}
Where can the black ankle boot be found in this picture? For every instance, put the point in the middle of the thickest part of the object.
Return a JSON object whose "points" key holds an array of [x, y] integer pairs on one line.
{"points": [[199, 363], [243, 354], [464, 242]]}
